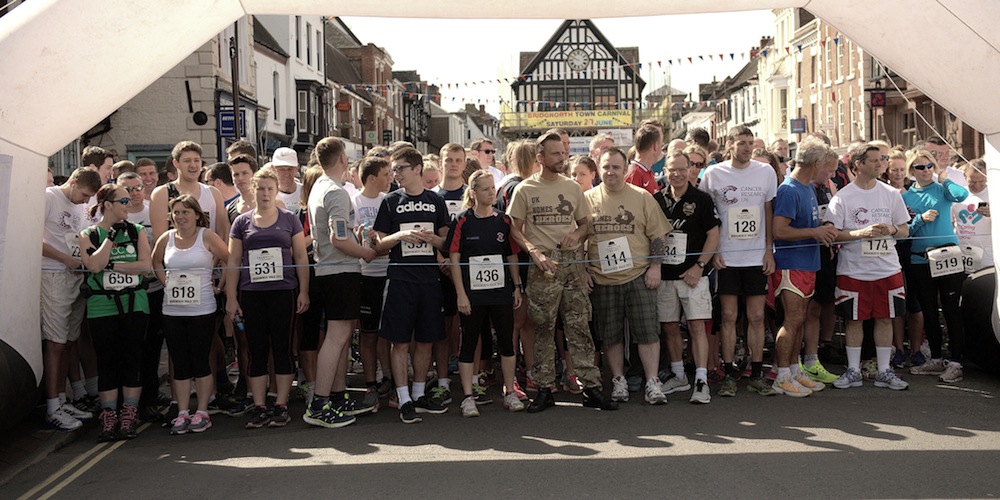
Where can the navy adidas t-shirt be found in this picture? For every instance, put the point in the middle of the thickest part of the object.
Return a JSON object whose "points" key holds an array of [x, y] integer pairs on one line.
{"points": [[400, 211]]}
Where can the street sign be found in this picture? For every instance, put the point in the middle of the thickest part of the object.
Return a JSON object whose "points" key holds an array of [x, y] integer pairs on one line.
{"points": [[343, 106], [386, 136], [371, 136], [798, 126], [226, 124]]}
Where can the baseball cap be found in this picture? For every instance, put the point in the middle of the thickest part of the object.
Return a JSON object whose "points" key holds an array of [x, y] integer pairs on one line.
{"points": [[285, 157]]}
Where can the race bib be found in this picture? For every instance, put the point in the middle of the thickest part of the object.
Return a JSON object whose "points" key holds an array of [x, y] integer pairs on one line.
{"points": [[945, 261], [822, 211], [454, 207], [73, 243], [744, 223], [615, 255], [183, 290], [486, 272], [119, 281], [266, 265], [877, 247], [972, 258], [676, 248], [416, 249]]}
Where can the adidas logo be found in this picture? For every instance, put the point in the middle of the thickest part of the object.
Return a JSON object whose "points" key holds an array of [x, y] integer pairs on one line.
{"points": [[415, 206]]}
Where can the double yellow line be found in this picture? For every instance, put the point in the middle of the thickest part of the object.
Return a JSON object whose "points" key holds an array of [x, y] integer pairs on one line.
{"points": [[74, 469]]}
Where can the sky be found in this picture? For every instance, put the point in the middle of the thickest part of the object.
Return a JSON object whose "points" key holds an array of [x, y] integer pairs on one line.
{"points": [[475, 50]]}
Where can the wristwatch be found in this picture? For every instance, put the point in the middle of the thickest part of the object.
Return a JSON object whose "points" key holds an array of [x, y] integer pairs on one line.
{"points": [[701, 264]]}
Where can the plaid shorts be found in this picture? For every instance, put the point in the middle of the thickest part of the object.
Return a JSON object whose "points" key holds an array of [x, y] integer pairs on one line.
{"points": [[613, 304]]}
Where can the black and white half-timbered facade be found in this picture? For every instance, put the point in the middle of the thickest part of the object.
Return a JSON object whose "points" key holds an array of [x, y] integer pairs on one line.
{"points": [[578, 81]]}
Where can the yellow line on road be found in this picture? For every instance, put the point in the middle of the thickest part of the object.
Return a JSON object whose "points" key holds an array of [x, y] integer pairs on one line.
{"points": [[73, 464]]}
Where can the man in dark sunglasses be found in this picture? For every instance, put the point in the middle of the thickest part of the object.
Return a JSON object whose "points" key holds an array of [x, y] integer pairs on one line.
{"points": [[484, 151]]}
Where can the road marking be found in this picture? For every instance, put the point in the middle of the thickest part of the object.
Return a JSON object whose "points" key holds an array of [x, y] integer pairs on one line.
{"points": [[73, 464]]}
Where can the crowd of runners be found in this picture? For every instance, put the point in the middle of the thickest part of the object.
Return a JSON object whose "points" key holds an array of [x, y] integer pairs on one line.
{"points": [[656, 270]]}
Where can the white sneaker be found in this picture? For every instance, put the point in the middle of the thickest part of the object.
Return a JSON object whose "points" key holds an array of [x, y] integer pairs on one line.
{"points": [[63, 421], [75, 412], [931, 367], [675, 384], [889, 380], [654, 395], [469, 408], [701, 393], [619, 389], [952, 373], [512, 403]]}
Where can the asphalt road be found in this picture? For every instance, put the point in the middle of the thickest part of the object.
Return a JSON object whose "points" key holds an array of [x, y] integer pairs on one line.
{"points": [[930, 441]]}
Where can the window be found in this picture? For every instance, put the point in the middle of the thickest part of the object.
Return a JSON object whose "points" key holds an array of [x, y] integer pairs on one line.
{"points": [[298, 36], [578, 97], [813, 117], [319, 49], [313, 113], [840, 55], [303, 111], [783, 106], [815, 70], [605, 98], [309, 45], [276, 88], [552, 99], [842, 122], [829, 62]]}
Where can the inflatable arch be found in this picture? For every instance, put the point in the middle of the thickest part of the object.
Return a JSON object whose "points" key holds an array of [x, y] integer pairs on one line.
{"points": [[59, 78]]}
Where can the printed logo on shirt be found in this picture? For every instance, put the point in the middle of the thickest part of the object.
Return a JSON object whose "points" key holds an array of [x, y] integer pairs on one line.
{"points": [[725, 195], [500, 237], [69, 221], [543, 215], [688, 209], [415, 206], [968, 214], [858, 217], [618, 224]]}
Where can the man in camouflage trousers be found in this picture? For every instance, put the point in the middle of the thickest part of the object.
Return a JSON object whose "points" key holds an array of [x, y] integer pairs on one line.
{"points": [[550, 216]]}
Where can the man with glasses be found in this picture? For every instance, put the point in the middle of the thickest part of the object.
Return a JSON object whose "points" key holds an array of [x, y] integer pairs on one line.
{"points": [[484, 151], [411, 223]]}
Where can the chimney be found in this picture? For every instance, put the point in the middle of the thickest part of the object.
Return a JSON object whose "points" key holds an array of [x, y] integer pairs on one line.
{"points": [[764, 41], [482, 110]]}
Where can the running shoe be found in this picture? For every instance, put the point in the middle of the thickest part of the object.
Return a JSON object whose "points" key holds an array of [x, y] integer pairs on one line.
{"points": [[351, 407], [259, 417], [385, 386], [634, 383], [889, 380], [809, 383], [200, 422], [394, 400], [772, 374], [408, 413], [761, 386], [512, 402], [453, 365], [519, 392], [87, 404], [787, 386], [817, 372], [327, 417], [898, 360], [717, 375], [654, 395], [675, 384], [479, 393], [279, 416], [372, 399], [619, 389], [925, 349], [76, 413], [423, 404], [126, 427], [869, 370], [442, 394], [179, 425], [701, 394], [918, 359], [109, 425], [851, 378], [728, 387], [469, 408], [530, 384], [571, 384], [235, 407], [952, 373], [931, 367]]}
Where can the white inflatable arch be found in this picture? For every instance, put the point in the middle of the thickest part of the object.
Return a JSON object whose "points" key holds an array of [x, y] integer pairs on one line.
{"points": [[67, 64]]}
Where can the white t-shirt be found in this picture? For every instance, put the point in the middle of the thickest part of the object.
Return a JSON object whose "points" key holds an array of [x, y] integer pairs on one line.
{"points": [[740, 195], [855, 208], [142, 217], [291, 200], [497, 175], [365, 210], [973, 228], [63, 219]]}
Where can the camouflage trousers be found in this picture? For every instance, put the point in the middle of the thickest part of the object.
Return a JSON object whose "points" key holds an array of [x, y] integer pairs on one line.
{"points": [[565, 295]]}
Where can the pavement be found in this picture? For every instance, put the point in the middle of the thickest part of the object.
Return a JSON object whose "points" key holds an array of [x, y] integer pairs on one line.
{"points": [[933, 440]]}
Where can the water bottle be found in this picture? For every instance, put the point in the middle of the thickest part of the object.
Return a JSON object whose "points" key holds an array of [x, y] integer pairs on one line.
{"points": [[238, 323]]}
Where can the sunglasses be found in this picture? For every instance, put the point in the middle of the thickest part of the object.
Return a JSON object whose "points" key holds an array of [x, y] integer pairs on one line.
{"points": [[488, 151], [123, 201], [924, 166], [885, 157], [698, 164], [133, 189], [399, 167]]}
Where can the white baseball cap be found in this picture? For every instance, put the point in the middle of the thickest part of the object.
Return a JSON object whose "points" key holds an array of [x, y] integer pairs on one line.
{"points": [[285, 157]]}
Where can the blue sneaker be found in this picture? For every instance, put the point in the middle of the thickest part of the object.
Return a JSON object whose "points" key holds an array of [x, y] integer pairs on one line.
{"points": [[453, 365], [898, 359], [634, 383], [918, 359]]}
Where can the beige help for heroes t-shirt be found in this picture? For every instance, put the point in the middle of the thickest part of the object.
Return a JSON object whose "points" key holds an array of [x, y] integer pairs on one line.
{"points": [[549, 209], [622, 227]]}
